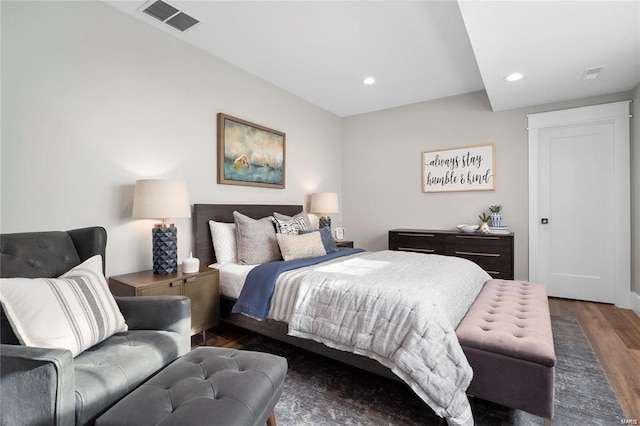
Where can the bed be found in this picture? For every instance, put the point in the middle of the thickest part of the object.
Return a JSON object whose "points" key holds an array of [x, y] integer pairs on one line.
{"points": [[441, 384]]}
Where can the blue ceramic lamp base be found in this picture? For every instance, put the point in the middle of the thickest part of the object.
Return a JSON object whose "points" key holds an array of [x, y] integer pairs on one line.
{"points": [[324, 222], [165, 249]]}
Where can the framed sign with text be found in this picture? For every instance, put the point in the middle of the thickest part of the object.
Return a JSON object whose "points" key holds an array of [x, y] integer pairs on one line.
{"points": [[468, 168]]}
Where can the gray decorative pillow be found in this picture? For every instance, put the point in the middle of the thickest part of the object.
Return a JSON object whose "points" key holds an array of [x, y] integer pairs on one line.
{"points": [[300, 216], [291, 226], [255, 240], [300, 246]]}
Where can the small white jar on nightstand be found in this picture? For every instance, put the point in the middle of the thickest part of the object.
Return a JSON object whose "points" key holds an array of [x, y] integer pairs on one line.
{"points": [[190, 265]]}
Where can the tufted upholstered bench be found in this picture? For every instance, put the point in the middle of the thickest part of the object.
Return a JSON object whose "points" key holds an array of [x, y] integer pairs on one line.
{"points": [[507, 338], [209, 385]]}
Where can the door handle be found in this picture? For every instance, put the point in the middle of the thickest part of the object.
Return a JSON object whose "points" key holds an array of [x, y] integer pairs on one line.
{"points": [[544, 221]]}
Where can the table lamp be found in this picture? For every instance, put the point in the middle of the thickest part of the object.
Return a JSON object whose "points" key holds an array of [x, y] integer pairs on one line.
{"points": [[324, 203], [162, 199]]}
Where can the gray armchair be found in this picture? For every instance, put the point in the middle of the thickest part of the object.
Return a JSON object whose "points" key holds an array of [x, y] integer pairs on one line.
{"points": [[40, 386]]}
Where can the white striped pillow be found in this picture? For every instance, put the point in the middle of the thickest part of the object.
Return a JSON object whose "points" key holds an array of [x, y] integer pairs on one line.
{"points": [[291, 226], [74, 311]]}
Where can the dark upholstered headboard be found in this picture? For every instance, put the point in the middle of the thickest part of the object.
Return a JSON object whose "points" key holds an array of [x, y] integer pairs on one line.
{"points": [[203, 213]]}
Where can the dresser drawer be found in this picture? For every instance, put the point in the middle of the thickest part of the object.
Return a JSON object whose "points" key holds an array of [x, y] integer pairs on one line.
{"points": [[496, 264], [419, 242], [493, 244], [493, 253]]}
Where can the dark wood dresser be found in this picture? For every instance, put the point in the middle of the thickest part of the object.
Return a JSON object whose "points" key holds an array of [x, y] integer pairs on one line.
{"points": [[492, 252]]}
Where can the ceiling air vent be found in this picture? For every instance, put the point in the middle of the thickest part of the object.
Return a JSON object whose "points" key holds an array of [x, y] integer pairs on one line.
{"points": [[170, 15], [591, 73]]}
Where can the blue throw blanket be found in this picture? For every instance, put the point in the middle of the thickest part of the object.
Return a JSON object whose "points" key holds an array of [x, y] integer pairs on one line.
{"points": [[255, 297]]}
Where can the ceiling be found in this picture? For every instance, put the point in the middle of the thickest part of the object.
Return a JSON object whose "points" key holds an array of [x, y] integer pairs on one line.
{"points": [[417, 51]]}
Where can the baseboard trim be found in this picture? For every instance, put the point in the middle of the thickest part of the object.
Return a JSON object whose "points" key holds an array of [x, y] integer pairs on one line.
{"points": [[635, 303]]}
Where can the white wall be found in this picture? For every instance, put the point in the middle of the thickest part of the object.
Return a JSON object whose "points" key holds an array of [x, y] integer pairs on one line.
{"points": [[382, 168], [635, 199], [93, 100]]}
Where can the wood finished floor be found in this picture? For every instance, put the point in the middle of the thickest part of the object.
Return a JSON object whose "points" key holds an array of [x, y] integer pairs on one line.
{"points": [[614, 334]]}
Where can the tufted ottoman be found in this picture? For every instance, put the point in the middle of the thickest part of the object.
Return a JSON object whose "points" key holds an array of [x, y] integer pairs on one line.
{"points": [[207, 386], [507, 338]]}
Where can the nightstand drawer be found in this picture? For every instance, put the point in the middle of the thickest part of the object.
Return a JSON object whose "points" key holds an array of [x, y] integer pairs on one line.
{"points": [[168, 289], [344, 243], [205, 292]]}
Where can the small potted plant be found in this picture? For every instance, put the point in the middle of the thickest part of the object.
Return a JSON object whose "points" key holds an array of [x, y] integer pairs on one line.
{"points": [[484, 228], [495, 219]]}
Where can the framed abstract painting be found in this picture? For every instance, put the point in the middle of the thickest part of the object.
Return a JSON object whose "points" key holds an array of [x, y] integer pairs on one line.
{"points": [[250, 154]]}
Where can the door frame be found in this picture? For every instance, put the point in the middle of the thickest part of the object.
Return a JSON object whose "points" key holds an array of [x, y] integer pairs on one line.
{"points": [[616, 113]]}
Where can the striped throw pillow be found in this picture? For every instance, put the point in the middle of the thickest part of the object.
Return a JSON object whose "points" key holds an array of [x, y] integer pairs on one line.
{"points": [[74, 311], [291, 226]]}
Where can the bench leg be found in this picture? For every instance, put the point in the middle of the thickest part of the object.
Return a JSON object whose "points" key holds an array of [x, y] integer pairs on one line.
{"points": [[271, 421], [547, 422]]}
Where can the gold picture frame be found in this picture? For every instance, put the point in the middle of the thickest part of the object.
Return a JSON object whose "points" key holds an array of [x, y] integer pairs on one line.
{"points": [[250, 154]]}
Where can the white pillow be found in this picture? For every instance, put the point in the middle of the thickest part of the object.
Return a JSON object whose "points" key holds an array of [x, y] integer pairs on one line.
{"points": [[224, 241], [74, 311], [300, 246]]}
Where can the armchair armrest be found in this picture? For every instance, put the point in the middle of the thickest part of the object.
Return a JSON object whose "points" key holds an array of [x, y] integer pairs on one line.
{"points": [[37, 386], [169, 313]]}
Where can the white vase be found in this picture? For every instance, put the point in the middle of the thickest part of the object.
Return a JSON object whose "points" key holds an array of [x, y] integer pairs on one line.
{"points": [[484, 228]]}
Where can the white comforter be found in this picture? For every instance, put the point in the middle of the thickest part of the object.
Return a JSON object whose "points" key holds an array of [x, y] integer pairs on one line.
{"points": [[398, 308]]}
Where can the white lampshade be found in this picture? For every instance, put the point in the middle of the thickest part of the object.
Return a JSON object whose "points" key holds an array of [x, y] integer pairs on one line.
{"points": [[324, 202], [161, 199]]}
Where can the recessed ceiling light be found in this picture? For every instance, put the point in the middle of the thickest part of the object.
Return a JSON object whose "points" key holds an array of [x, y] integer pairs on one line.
{"points": [[514, 76], [369, 80]]}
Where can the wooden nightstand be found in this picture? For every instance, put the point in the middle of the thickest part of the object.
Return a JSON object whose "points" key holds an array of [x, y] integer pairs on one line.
{"points": [[344, 243], [202, 288]]}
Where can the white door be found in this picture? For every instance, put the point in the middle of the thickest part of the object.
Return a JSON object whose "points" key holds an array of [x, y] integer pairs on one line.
{"points": [[579, 204], [575, 181]]}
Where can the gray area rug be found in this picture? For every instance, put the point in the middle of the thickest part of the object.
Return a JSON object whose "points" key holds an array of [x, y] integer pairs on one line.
{"points": [[320, 391]]}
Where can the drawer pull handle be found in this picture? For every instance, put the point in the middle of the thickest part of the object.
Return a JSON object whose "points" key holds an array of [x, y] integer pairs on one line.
{"points": [[404, 234], [470, 253], [477, 238], [416, 249], [493, 272]]}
